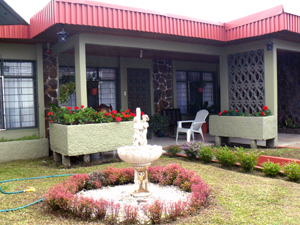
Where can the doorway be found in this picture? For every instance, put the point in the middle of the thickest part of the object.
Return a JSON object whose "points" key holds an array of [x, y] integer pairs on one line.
{"points": [[138, 86]]}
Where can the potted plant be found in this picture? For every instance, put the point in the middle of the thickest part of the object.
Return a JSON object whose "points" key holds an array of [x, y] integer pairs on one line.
{"points": [[199, 85], [159, 124], [65, 91], [93, 87]]}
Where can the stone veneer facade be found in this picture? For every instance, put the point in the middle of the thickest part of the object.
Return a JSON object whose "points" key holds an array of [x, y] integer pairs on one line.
{"points": [[162, 85], [288, 73], [50, 82]]}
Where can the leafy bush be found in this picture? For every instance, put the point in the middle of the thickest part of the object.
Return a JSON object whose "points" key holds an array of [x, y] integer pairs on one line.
{"points": [[226, 157], [173, 150], [206, 154], [159, 123], [292, 171], [247, 160], [191, 149], [270, 168]]}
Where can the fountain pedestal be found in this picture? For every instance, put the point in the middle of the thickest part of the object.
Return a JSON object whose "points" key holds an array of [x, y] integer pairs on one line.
{"points": [[140, 155]]}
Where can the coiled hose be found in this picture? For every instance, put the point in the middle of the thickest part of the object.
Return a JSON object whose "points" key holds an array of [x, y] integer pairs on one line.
{"points": [[27, 190]]}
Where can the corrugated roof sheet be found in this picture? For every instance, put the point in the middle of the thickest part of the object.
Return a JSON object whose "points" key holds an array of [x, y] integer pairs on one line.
{"points": [[97, 14]]}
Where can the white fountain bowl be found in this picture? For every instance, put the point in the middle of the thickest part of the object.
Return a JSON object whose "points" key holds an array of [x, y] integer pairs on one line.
{"points": [[140, 154]]}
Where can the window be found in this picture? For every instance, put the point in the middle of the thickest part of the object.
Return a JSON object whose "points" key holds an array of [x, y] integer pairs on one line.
{"points": [[104, 79], [18, 94], [67, 74], [189, 98]]}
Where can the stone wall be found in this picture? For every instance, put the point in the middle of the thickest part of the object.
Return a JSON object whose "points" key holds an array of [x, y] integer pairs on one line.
{"points": [[50, 82], [162, 85], [288, 73]]}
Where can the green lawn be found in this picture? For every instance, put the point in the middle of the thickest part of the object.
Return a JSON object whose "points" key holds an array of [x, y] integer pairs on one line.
{"points": [[236, 198]]}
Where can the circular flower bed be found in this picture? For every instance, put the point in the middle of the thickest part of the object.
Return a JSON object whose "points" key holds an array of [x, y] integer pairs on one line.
{"points": [[63, 196]]}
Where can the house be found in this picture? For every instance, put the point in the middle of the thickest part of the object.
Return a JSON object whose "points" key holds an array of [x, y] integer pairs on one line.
{"points": [[135, 57]]}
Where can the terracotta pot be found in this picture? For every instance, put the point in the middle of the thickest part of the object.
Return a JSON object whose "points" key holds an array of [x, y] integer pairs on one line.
{"points": [[94, 91], [200, 90], [204, 128]]}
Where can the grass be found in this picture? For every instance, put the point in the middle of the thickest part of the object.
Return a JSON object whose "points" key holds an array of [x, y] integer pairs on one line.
{"points": [[237, 197], [32, 137]]}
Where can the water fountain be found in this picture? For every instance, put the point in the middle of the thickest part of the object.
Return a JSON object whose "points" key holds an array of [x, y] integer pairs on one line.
{"points": [[140, 155]]}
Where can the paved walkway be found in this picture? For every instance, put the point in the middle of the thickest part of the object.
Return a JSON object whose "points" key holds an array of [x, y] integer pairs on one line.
{"points": [[284, 140]]}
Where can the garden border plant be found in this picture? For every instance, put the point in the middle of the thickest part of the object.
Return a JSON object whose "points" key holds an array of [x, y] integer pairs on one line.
{"points": [[246, 160], [62, 196]]}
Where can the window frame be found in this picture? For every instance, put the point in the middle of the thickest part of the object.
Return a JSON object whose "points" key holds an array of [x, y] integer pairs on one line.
{"points": [[188, 87], [35, 92]]}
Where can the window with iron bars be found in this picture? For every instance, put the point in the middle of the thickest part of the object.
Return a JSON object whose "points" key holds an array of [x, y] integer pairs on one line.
{"points": [[189, 98], [104, 80], [17, 95]]}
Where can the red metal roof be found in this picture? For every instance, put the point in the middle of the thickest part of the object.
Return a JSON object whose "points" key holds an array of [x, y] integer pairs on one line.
{"points": [[97, 14]]}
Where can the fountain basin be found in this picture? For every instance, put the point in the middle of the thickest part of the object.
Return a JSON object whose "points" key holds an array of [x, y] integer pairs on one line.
{"points": [[140, 155]]}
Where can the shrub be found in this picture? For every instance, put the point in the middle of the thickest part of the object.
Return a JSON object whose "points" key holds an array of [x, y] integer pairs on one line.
{"points": [[226, 157], [130, 214], [62, 196], [173, 150], [191, 149], [206, 154], [270, 168], [292, 171], [247, 160], [154, 211]]}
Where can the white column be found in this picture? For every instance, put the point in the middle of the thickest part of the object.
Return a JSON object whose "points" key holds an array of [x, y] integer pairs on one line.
{"points": [[80, 73]]}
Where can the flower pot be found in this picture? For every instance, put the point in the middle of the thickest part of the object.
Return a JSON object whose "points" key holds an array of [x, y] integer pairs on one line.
{"points": [[200, 90], [204, 128], [159, 133], [94, 91]]}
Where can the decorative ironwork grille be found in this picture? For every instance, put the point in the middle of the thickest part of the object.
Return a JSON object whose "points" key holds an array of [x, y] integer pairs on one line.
{"points": [[246, 80]]}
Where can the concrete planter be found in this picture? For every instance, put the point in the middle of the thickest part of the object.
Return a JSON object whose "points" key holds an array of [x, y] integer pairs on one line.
{"points": [[248, 127], [86, 139], [29, 149]]}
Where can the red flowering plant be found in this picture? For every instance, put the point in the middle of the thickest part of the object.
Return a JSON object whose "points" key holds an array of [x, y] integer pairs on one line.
{"points": [[84, 115], [236, 112], [64, 196]]}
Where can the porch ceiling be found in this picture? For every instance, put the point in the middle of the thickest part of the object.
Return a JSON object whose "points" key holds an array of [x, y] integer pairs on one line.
{"points": [[108, 51]]}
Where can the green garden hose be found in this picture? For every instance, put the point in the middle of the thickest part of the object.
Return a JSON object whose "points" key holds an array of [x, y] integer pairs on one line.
{"points": [[27, 190]]}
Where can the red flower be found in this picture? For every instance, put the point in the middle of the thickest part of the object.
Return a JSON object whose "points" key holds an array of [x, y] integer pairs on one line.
{"points": [[126, 116], [236, 110], [70, 112], [142, 113], [265, 108], [132, 114], [122, 113], [225, 111], [106, 114], [128, 110], [118, 119], [69, 108], [51, 121], [262, 113], [220, 113], [114, 112], [112, 116], [49, 113], [95, 113], [76, 107], [82, 106]]}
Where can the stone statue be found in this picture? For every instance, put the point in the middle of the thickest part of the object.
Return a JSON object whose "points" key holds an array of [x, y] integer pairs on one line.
{"points": [[140, 131]]}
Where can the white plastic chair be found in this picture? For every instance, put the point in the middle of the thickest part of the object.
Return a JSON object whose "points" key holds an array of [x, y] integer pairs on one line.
{"points": [[195, 125]]}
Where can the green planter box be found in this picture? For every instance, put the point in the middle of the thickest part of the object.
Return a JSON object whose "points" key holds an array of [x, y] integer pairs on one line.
{"points": [[247, 127], [27, 149], [75, 140]]}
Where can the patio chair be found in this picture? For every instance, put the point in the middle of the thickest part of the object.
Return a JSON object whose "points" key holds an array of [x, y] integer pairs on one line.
{"points": [[195, 125]]}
